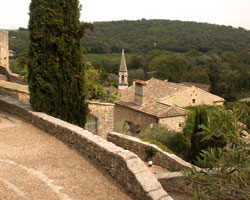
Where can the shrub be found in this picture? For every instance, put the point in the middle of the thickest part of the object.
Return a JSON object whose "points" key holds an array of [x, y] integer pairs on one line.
{"points": [[122, 127], [158, 144], [150, 152], [179, 144], [158, 132]]}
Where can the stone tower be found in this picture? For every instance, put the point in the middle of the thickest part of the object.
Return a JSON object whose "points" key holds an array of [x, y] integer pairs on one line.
{"points": [[4, 49], [123, 73]]}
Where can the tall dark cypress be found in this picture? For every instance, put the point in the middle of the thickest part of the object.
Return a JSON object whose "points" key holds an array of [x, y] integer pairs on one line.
{"points": [[56, 69]]}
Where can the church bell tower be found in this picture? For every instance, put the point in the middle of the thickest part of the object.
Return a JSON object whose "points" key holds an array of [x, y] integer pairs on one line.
{"points": [[123, 73]]}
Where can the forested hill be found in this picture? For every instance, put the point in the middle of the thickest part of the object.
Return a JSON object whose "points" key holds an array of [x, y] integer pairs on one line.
{"points": [[145, 35]]}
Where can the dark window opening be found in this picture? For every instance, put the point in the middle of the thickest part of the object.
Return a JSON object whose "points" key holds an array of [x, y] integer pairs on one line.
{"points": [[193, 100]]}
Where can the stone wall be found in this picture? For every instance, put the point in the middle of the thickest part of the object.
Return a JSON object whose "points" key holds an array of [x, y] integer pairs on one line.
{"points": [[15, 90], [141, 119], [103, 111], [12, 77], [4, 49], [166, 160], [105, 114], [125, 166], [173, 123]]}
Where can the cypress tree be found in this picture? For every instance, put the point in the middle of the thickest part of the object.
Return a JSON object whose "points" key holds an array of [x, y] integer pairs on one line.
{"points": [[56, 68]]}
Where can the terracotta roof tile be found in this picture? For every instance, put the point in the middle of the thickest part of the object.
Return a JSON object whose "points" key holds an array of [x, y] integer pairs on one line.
{"points": [[155, 90]]}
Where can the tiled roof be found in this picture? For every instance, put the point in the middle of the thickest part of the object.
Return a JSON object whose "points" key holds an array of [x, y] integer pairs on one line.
{"points": [[155, 90], [157, 109], [198, 85]]}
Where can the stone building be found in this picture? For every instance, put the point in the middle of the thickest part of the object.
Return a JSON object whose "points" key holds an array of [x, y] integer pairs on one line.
{"points": [[123, 73], [157, 101], [4, 49], [100, 121]]}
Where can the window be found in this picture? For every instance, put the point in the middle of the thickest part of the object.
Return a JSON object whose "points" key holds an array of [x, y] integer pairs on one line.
{"points": [[193, 101], [122, 78], [91, 124], [180, 125]]}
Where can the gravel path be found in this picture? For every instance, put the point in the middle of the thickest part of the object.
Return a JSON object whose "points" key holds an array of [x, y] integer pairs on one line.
{"points": [[37, 166]]}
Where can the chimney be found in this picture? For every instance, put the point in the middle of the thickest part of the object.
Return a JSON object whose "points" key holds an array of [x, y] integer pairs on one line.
{"points": [[140, 92]]}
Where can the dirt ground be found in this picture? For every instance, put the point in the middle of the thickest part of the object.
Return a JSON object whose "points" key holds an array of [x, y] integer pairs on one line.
{"points": [[37, 166]]}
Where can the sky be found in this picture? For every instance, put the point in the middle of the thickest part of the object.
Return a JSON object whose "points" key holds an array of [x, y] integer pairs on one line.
{"points": [[236, 13]]}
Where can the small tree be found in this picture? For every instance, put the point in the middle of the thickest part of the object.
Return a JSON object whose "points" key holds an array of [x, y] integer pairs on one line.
{"points": [[195, 134], [56, 69], [228, 175]]}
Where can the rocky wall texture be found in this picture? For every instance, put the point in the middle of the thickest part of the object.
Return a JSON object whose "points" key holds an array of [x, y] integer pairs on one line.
{"points": [[105, 114], [12, 77], [173, 123], [17, 91], [138, 118], [164, 159], [125, 166]]}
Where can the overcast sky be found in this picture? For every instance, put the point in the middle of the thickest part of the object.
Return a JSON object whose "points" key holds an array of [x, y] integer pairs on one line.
{"points": [[14, 13]]}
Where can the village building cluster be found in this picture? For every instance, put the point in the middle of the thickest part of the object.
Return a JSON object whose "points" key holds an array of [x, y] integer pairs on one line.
{"points": [[142, 104]]}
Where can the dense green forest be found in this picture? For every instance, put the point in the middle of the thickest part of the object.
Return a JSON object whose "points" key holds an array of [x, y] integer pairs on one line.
{"points": [[174, 50], [144, 35]]}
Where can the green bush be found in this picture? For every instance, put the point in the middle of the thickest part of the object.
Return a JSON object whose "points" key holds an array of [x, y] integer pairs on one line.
{"points": [[122, 127], [158, 144], [150, 152], [158, 132], [179, 144]]}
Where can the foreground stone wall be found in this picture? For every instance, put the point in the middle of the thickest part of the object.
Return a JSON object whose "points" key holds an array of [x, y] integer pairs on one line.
{"points": [[105, 114], [124, 166], [166, 160]]}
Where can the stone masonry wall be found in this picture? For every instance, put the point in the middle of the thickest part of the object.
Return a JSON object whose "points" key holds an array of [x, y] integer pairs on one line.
{"points": [[122, 113], [166, 160], [125, 166], [12, 77], [173, 123], [105, 114], [4, 49], [17, 91], [103, 111]]}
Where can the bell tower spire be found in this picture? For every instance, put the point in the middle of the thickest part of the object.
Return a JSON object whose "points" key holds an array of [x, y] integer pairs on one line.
{"points": [[123, 73]]}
